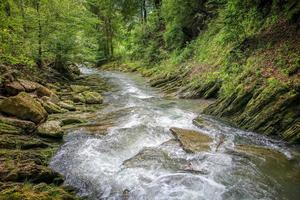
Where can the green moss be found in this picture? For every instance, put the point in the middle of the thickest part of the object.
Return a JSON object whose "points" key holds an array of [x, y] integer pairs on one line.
{"points": [[28, 191], [9, 129]]}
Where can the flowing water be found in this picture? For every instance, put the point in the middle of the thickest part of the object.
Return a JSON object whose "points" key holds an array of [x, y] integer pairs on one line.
{"points": [[139, 156]]}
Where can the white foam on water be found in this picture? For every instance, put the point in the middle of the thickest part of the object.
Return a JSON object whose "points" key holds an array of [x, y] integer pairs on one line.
{"points": [[97, 167]]}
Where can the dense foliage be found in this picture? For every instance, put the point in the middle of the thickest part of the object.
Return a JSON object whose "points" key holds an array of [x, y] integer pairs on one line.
{"points": [[159, 34]]}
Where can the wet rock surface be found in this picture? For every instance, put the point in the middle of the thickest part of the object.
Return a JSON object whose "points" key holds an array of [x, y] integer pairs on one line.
{"points": [[192, 141], [32, 126], [126, 149]]}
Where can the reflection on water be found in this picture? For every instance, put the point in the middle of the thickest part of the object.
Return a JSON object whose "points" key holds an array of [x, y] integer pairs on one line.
{"points": [[138, 154]]}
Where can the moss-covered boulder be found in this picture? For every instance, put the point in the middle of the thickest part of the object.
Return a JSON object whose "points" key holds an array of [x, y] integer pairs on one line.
{"points": [[23, 106], [88, 97], [50, 129], [52, 108], [67, 105], [192, 141], [13, 125], [79, 88], [92, 97]]}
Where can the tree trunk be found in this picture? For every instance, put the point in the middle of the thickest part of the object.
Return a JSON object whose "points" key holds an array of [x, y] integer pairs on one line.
{"points": [[143, 11], [39, 56], [22, 7], [7, 9]]}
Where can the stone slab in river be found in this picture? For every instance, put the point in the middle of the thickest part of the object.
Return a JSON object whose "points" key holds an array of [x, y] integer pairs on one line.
{"points": [[192, 141]]}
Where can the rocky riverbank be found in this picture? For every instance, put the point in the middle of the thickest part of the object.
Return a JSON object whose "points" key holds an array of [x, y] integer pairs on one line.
{"points": [[262, 105], [33, 121]]}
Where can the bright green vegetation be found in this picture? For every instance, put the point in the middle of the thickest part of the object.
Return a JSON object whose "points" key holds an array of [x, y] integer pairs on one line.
{"points": [[245, 53]]}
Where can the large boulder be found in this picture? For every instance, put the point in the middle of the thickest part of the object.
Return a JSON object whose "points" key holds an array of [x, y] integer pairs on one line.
{"points": [[192, 141], [50, 129], [22, 85], [23, 106]]}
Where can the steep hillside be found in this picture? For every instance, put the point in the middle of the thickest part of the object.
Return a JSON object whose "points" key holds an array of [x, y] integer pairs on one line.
{"points": [[246, 54]]}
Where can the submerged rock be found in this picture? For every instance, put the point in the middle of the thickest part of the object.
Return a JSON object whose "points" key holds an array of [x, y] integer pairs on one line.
{"points": [[50, 129], [192, 141], [202, 123], [23, 106], [261, 152]]}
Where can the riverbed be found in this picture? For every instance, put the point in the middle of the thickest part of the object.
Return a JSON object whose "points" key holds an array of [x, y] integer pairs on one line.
{"points": [[138, 158]]}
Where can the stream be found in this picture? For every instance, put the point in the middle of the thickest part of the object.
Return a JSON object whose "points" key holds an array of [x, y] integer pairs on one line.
{"points": [[139, 159]]}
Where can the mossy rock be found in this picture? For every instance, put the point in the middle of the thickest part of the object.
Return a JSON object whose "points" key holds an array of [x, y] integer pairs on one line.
{"points": [[21, 125], [29, 86], [88, 97], [78, 98], [192, 141], [79, 88], [202, 123], [23, 106], [9, 129], [43, 91], [53, 108], [92, 97], [69, 121], [40, 156], [8, 141], [66, 105], [28, 171], [13, 88], [51, 129], [29, 191]]}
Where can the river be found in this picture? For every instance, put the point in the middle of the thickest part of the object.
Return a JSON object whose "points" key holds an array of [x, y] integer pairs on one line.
{"points": [[138, 155]]}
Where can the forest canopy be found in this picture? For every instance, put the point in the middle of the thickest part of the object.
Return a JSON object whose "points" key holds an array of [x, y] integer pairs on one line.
{"points": [[38, 32]]}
